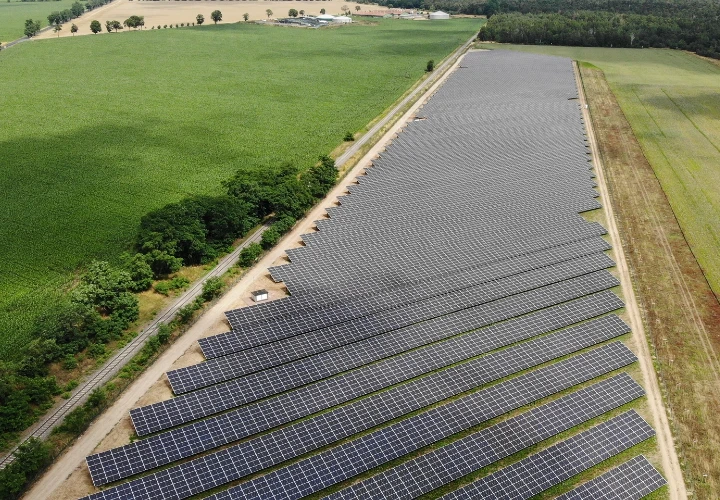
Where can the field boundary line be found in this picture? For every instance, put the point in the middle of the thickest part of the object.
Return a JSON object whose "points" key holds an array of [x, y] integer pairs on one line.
{"points": [[669, 458], [74, 455]]}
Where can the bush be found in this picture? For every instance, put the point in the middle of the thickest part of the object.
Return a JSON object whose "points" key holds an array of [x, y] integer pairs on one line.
{"points": [[30, 458], [185, 313], [249, 255], [270, 238], [212, 288], [177, 283], [69, 362], [430, 66], [96, 350], [349, 137], [140, 271]]}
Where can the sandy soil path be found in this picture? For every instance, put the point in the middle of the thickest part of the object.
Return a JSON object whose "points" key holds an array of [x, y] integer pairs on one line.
{"points": [[176, 12], [670, 462], [53, 483]]}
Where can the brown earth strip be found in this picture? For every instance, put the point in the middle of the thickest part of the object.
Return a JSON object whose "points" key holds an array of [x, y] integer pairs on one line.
{"points": [[680, 313]]}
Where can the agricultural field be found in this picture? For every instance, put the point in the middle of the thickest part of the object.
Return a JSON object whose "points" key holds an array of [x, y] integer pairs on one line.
{"points": [[131, 122], [13, 14], [665, 188], [173, 12]]}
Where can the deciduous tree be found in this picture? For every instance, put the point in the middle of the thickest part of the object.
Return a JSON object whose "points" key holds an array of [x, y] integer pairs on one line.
{"points": [[200, 19], [293, 13], [73, 29], [216, 16], [246, 16], [31, 28], [268, 12], [95, 27]]}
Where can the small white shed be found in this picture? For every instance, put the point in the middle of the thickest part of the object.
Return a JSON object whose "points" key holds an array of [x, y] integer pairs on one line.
{"points": [[439, 15], [342, 20], [259, 295], [325, 17]]}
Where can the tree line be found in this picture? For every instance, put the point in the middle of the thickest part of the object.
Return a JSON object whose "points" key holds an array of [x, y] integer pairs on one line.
{"points": [[59, 17], [104, 303], [686, 24]]}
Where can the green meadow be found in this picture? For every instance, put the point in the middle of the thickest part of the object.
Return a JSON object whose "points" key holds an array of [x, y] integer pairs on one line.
{"points": [[14, 13], [97, 131], [672, 101]]}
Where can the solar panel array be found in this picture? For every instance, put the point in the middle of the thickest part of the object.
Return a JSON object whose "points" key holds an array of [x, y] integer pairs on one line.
{"points": [[455, 283], [538, 472], [631, 480]]}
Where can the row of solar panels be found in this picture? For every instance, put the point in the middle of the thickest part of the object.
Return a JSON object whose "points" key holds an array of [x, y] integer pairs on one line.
{"points": [[455, 285]]}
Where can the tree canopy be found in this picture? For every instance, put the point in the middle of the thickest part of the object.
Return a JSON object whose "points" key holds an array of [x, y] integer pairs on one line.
{"points": [[216, 16]]}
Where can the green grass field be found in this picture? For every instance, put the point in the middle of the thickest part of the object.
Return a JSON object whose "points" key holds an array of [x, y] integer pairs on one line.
{"points": [[672, 101], [14, 13], [105, 129]]}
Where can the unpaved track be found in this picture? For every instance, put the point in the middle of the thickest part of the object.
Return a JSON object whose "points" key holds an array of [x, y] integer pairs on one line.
{"points": [[74, 457], [670, 462]]}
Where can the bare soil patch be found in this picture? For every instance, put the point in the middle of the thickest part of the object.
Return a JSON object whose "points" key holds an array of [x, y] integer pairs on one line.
{"points": [[680, 313], [161, 13]]}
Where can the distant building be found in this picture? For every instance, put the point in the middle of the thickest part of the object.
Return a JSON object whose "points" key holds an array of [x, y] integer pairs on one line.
{"points": [[342, 20], [439, 15]]}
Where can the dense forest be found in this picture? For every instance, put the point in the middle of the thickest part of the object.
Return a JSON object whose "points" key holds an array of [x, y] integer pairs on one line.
{"points": [[685, 24]]}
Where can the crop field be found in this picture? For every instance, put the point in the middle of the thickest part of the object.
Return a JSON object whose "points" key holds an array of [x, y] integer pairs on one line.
{"points": [[13, 14], [128, 123], [672, 101]]}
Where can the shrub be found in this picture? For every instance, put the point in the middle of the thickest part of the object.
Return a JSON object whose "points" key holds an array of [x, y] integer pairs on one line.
{"points": [[30, 458], [185, 313], [212, 288], [430, 66], [349, 137], [270, 237], [69, 362], [96, 350], [165, 26], [249, 255]]}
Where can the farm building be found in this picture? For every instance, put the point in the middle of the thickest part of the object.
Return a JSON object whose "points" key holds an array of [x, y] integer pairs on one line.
{"points": [[342, 20], [439, 15]]}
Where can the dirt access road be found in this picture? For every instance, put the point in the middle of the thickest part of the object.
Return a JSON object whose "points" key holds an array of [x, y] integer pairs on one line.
{"points": [[55, 483], [670, 462]]}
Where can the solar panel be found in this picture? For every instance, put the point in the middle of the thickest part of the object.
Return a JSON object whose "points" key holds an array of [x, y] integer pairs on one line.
{"points": [[451, 462], [350, 459], [217, 431], [415, 314], [293, 324], [233, 463], [234, 393], [541, 471], [298, 315], [228, 367], [631, 480]]}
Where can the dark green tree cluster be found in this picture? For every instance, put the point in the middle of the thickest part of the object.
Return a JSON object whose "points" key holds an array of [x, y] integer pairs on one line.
{"points": [[30, 458], [602, 29], [98, 310], [684, 24], [134, 22], [31, 28], [197, 229]]}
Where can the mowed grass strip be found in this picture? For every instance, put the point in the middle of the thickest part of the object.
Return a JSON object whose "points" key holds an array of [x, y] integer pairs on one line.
{"points": [[14, 13], [101, 130]]}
